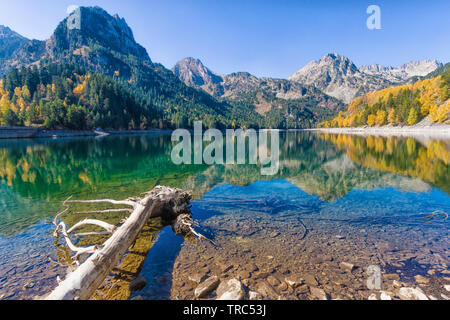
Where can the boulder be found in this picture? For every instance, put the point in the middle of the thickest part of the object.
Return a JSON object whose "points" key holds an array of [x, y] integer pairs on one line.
{"points": [[412, 294], [230, 290]]}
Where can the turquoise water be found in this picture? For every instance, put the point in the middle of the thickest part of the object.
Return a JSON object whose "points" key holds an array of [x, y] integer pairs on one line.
{"points": [[373, 192]]}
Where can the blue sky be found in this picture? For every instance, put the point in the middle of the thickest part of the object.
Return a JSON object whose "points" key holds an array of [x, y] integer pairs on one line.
{"points": [[266, 38]]}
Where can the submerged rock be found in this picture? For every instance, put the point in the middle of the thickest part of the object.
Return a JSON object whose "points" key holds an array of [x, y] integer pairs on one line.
{"points": [[392, 276], [138, 284], [253, 295], [28, 285], [197, 278], [230, 290], [273, 281], [294, 281], [421, 280], [266, 290], [349, 267], [206, 287], [317, 293], [310, 280]]}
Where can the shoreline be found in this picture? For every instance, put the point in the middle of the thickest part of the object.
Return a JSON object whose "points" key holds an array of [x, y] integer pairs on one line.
{"points": [[431, 131], [10, 133], [438, 131]]}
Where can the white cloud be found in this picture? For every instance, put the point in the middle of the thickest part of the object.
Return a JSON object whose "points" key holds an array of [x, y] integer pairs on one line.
{"points": [[71, 8]]}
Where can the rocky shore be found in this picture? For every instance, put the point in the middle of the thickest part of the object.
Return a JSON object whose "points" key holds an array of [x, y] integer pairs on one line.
{"points": [[313, 257], [35, 133], [424, 128]]}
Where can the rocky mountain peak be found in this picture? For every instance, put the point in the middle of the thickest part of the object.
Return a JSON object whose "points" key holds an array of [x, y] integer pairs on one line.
{"points": [[403, 72], [193, 73], [6, 32], [10, 42], [334, 74], [330, 64], [420, 68], [87, 25]]}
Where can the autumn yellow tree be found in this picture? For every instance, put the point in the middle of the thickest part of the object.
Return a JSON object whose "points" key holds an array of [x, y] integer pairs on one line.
{"points": [[413, 117], [381, 117], [392, 117], [371, 120]]}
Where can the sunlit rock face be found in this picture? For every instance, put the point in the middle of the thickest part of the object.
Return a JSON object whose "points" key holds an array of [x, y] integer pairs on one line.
{"points": [[339, 77], [95, 25]]}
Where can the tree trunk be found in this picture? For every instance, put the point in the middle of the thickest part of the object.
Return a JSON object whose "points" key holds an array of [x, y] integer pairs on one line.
{"points": [[161, 202]]}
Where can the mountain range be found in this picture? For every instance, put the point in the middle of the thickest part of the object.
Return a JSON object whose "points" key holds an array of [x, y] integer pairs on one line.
{"points": [[92, 38], [339, 77], [237, 85]]}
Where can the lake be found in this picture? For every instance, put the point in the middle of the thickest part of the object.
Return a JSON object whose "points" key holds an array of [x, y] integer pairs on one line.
{"points": [[339, 205]]}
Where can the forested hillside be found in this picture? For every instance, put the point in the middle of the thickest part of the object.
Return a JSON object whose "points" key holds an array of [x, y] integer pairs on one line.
{"points": [[401, 105]]}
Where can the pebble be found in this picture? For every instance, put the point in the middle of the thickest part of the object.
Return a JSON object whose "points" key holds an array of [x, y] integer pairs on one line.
{"points": [[253, 295], [274, 235], [303, 289], [392, 276], [294, 281], [273, 281], [283, 286], [28, 285], [349, 267]]}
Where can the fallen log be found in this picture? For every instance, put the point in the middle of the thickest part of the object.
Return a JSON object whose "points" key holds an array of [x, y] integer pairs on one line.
{"points": [[173, 205]]}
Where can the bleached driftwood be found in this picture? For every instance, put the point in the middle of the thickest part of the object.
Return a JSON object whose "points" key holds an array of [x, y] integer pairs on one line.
{"points": [[171, 204]]}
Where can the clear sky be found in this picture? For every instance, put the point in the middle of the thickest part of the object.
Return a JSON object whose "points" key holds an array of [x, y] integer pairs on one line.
{"points": [[267, 38]]}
